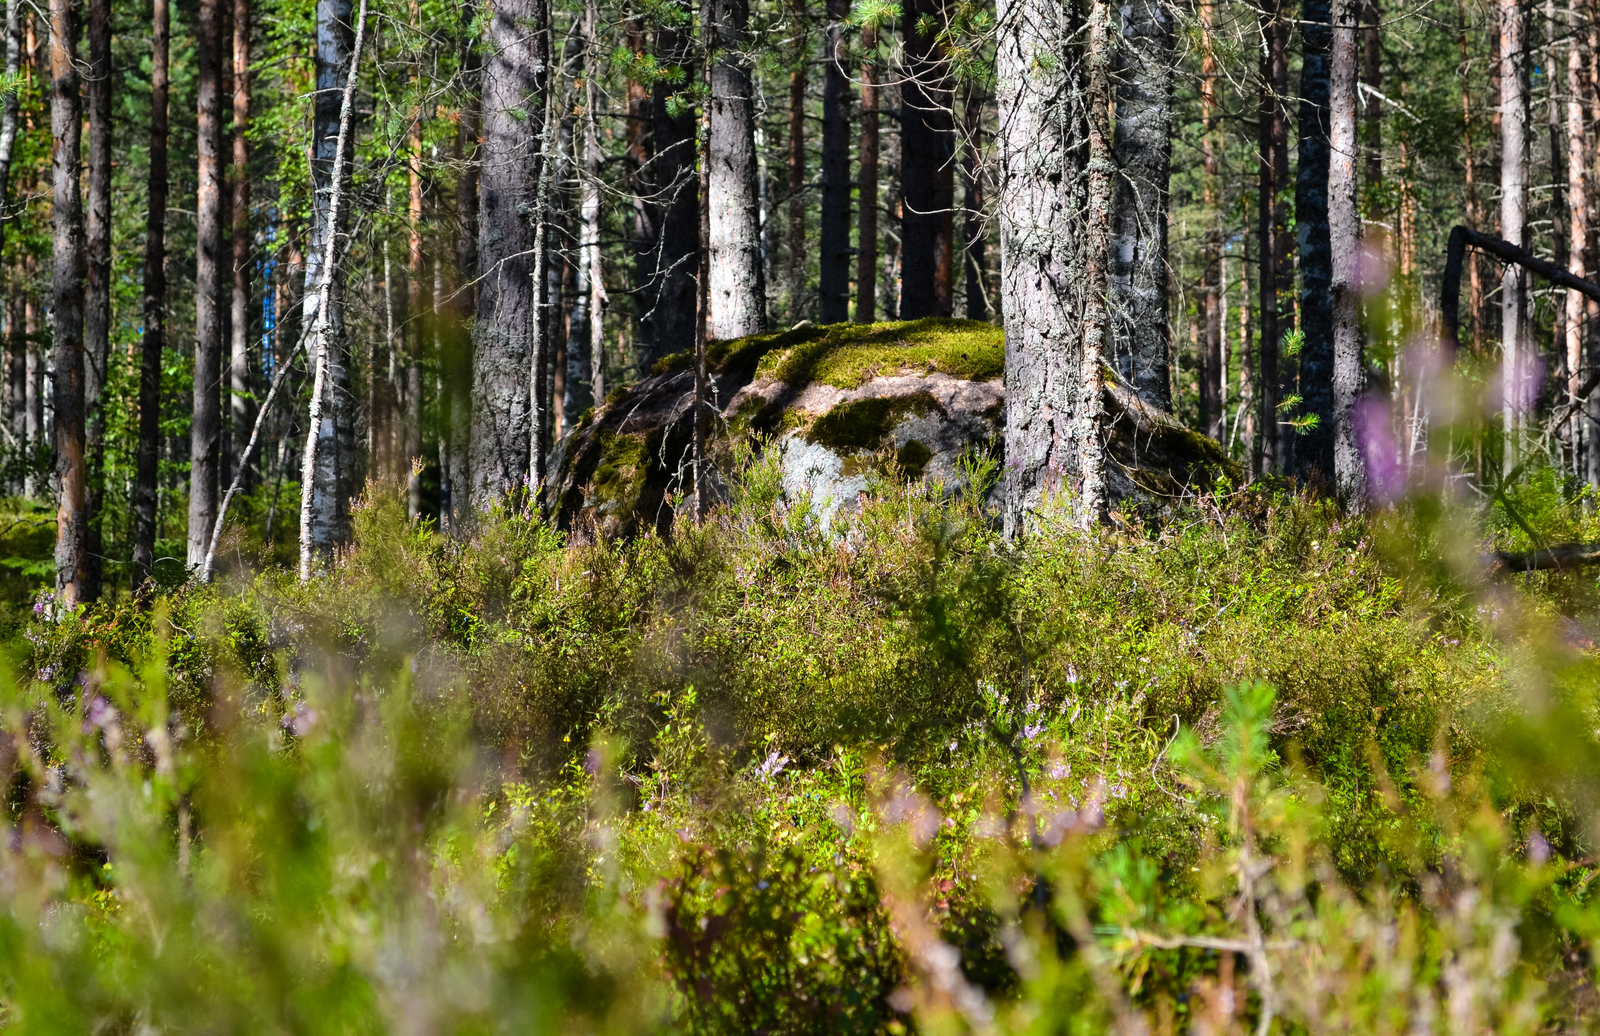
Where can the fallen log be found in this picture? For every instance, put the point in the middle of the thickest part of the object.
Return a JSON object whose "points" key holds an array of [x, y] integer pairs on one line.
{"points": [[1560, 556]]}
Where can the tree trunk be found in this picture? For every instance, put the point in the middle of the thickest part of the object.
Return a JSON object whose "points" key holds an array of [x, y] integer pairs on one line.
{"points": [[1344, 233], [1516, 360], [736, 305], [592, 257], [329, 431], [799, 297], [1578, 255], [927, 147], [97, 286], [867, 182], [1474, 219], [833, 281], [241, 405], [973, 251], [667, 325], [1271, 130], [420, 321], [154, 308], [515, 84], [644, 209], [66, 230], [1040, 158], [1097, 316], [205, 435], [8, 107], [1213, 355], [1142, 146], [1314, 449]]}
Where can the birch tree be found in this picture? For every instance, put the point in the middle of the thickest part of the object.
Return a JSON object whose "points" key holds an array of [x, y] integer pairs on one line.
{"points": [[736, 286], [1344, 233], [1515, 360]]}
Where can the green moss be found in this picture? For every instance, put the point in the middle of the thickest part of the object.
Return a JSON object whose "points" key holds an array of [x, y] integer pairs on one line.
{"points": [[847, 355], [675, 362], [617, 479], [862, 425], [913, 459]]}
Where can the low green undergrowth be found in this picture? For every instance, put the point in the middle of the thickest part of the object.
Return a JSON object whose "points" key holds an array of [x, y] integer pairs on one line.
{"points": [[1265, 765]]}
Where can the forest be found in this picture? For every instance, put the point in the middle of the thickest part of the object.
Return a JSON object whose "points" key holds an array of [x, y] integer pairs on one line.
{"points": [[800, 516]]}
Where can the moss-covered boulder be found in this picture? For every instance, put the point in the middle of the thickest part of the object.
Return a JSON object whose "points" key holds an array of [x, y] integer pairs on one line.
{"points": [[841, 405]]}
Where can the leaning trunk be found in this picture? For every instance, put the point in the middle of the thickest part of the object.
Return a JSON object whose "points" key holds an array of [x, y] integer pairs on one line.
{"points": [[737, 293], [66, 228], [1314, 449], [515, 81], [154, 309], [1142, 149], [1344, 235]]}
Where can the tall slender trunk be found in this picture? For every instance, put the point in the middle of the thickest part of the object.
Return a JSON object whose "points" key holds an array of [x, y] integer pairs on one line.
{"points": [[1097, 289], [593, 258], [1270, 231], [667, 325], [1040, 153], [927, 153], [1474, 218], [97, 286], [736, 305], [241, 404], [1344, 225], [66, 231], [1590, 417], [154, 307], [516, 82], [326, 459], [644, 209], [833, 281], [1579, 258], [1516, 359], [974, 254], [8, 107], [1314, 449], [420, 320], [799, 297], [867, 182], [205, 435], [1213, 356]]}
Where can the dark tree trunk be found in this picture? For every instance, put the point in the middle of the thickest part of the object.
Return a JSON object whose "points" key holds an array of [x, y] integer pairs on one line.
{"points": [[867, 182], [973, 250], [454, 340], [833, 281], [1041, 156], [1139, 344], [799, 297], [667, 325], [1344, 225], [927, 184], [205, 436], [736, 302], [1213, 353], [515, 83], [155, 308], [1270, 229], [97, 287], [241, 406], [1314, 448], [66, 229], [644, 209]]}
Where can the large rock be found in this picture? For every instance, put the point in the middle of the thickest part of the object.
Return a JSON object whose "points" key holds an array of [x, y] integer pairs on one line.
{"points": [[841, 405]]}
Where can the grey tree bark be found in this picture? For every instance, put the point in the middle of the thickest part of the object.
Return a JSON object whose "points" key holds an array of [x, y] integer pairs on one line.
{"points": [[799, 297], [205, 429], [1314, 449], [8, 107], [1093, 503], [66, 228], [154, 307], [1344, 233], [1579, 256], [455, 343], [515, 84], [317, 532], [1142, 145], [97, 286], [736, 305], [1273, 245], [592, 257], [833, 281], [1516, 355], [326, 479], [241, 406], [1213, 297], [1040, 189]]}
